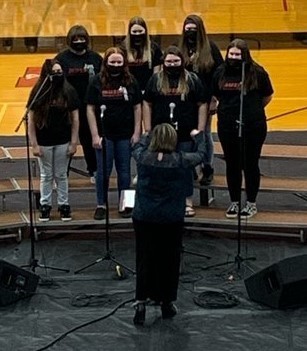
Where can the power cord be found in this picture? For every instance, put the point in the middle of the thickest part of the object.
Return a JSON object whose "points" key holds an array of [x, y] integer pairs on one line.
{"points": [[62, 336]]}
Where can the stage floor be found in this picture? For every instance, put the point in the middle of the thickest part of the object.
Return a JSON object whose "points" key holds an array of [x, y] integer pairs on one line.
{"points": [[65, 302]]}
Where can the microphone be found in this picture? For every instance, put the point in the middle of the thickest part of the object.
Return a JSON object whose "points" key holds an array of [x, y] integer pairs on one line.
{"points": [[102, 109], [172, 106]]}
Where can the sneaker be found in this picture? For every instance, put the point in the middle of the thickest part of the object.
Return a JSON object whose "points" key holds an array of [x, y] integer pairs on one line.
{"points": [[100, 213], [207, 176], [169, 310], [139, 316], [93, 180], [65, 212], [44, 215], [249, 210], [233, 210], [127, 213]]}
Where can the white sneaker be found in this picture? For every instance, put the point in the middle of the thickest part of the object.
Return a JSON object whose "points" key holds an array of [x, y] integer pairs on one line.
{"points": [[93, 180]]}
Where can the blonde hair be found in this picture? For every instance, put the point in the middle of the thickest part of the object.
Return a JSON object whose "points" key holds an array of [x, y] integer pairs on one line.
{"points": [[164, 138]]}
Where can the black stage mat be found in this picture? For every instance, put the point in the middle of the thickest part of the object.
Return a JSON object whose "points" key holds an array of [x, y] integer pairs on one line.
{"points": [[65, 301]]}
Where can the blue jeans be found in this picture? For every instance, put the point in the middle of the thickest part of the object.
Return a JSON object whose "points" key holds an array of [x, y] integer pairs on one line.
{"points": [[187, 146], [118, 152], [53, 167]]}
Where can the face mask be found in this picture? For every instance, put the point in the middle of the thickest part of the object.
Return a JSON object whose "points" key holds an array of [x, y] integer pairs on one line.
{"points": [[115, 71], [173, 71], [137, 40], [57, 78], [234, 63], [79, 46], [191, 36]]}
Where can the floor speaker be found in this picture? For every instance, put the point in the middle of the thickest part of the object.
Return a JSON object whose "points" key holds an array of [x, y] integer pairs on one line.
{"points": [[15, 283], [281, 285]]}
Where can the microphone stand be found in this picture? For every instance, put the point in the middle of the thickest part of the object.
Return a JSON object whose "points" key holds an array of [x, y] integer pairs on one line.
{"points": [[239, 260], [108, 255], [33, 264], [173, 123]]}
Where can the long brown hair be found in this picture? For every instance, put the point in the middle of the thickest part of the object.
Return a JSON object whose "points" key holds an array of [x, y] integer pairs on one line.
{"points": [[146, 54], [202, 60], [251, 67], [106, 79], [62, 95]]}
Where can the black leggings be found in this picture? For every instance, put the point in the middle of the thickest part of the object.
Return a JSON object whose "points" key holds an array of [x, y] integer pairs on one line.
{"points": [[250, 151]]}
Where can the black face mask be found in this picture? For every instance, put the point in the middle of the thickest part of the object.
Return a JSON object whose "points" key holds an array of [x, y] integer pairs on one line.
{"points": [[137, 40], [79, 46], [115, 71], [173, 71], [57, 78], [191, 36], [234, 63]]}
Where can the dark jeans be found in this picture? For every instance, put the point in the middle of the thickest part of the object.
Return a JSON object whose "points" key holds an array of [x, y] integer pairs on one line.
{"points": [[242, 157], [158, 250], [118, 152]]}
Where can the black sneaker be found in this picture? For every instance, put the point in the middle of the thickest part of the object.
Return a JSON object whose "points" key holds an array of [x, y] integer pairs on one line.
{"points": [[140, 312], [233, 210], [44, 215], [169, 310], [207, 176], [65, 212], [127, 213], [100, 213], [249, 210]]}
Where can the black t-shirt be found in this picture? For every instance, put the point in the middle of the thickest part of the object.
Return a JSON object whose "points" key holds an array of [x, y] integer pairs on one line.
{"points": [[186, 109], [78, 69], [229, 99], [141, 70], [118, 119], [57, 130]]}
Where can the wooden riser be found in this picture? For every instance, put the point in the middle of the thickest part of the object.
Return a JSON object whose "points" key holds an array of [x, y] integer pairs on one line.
{"points": [[269, 151], [12, 225], [272, 224], [268, 184]]}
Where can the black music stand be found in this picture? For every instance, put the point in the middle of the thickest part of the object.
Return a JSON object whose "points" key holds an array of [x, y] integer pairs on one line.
{"points": [[34, 263], [108, 256]]}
